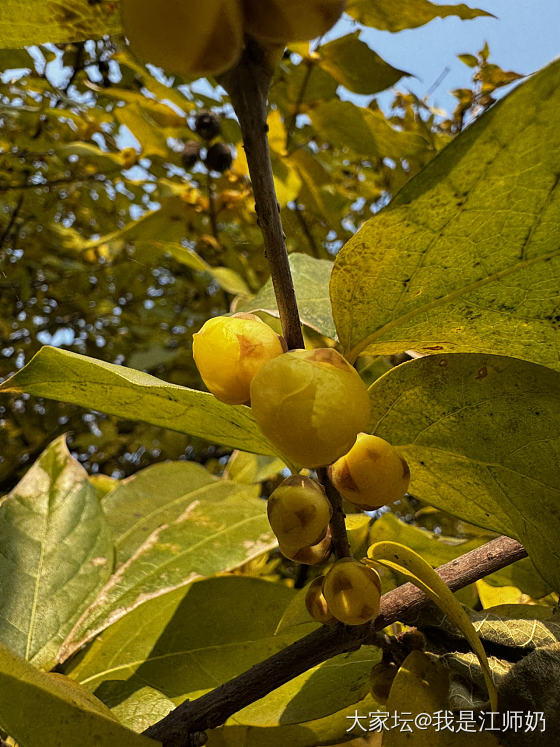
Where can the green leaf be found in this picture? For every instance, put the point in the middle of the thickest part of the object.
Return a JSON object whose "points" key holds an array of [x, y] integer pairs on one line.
{"points": [[56, 555], [465, 258], [38, 709], [421, 574], [185, 642], [126, 393], [358, 68], [366, 132], [193, 641], [406, 14], [311, 282], [481, 435], [172, 523], [27, 22]]}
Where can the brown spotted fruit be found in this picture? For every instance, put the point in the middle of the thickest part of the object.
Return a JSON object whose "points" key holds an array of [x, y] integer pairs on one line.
{"points": [[310, 404], [299, 513], [352, 591], [311, 555], [187, 37], [371, 474], [280, 21], [317, 604], [230, 350]]}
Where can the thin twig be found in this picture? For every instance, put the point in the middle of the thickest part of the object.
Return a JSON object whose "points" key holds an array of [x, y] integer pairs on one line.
{"points": [[247, 85], [404, 603]]}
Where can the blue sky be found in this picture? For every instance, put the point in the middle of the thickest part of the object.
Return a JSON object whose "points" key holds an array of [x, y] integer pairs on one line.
{"points": [[524, 37]]}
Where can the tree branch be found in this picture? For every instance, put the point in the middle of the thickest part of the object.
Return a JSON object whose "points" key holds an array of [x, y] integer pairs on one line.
{"points": [[340, 543], [247, 85], [404, 603]]}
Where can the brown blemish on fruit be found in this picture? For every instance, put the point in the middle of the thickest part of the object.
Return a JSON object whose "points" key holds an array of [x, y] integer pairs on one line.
{"points": [[341, 583], [482, 373], [405, 468], [373, 454], [345, 479], [327, 355], [305, 515], [246, 346]]}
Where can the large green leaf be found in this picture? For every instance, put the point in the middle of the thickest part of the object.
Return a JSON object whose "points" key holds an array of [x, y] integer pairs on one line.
{"points": [[467, 256], [193, 641], [39, 709], [406, 14], [357, 67], [56, 555], [311, 283], [172, 523], [117, 390], [482, 437], [27, 22]]}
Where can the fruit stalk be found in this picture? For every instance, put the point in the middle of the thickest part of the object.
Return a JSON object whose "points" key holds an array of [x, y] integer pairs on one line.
{"points": [[340, 545], [403, 603], [247, 85]]}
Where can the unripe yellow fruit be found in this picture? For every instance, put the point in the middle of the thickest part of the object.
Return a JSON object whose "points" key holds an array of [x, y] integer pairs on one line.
{"points": [[352, 591], [279, 21], [299, 512], [371, 474], [312, 555], [185, 36], [311, 404], [317, 604], [230, 350]]}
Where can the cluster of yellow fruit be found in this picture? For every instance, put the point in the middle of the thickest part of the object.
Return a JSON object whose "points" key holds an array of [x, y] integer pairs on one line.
{"points": [[194, 38], [313, 406]]}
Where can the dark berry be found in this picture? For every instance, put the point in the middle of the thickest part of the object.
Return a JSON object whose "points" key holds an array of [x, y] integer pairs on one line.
{"points": [[218, 157], [207, 125], [190, 154]]}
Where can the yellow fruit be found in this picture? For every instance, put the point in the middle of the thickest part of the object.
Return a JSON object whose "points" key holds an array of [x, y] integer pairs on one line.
{"points": [[352, 591], [228, 352], [185, 36], [311, 404], [279, 21], [299, 513], [316, 603], [371, 474], [312, 555]]}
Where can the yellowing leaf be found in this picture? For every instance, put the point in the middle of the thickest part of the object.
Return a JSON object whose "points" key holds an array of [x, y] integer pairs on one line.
{"points": [[421, 574], [481, 434], [357, 67], [27, 22], [467, 255], [406, 14], [64, 713]]}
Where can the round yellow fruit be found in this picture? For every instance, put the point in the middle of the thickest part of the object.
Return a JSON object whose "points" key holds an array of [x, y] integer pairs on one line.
{"points": [[311, 404], [230, 350], [299, 513], [352, 591], [371, 474], [185, 36], [312, 555], [316, 603], [280, 21]]}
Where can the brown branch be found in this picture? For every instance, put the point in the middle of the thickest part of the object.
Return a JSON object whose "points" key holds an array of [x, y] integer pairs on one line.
{"points": [[340, 542], [247, 85], [404, 603]]}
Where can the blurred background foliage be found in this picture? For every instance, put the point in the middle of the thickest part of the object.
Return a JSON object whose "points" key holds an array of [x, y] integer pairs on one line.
{"points": [[116, 243]]}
